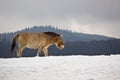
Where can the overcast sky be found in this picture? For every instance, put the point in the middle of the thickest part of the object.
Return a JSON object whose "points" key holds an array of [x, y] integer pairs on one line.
{"points": [[87, 16]]}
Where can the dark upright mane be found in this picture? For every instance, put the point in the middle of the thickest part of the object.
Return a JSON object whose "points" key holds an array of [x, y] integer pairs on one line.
{"points": [[53, 34]]}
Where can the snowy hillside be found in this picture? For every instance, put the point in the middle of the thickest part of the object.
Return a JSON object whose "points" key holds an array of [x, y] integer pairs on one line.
{"points": [[61, 68]]}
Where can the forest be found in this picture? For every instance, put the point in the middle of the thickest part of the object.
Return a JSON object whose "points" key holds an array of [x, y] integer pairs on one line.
{"points": [[75, 43]]}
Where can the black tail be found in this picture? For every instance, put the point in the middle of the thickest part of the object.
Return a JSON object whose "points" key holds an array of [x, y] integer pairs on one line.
{"points": [[13, 44]]}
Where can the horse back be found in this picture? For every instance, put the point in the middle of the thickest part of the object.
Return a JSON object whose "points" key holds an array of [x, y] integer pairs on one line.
{"points": [[35, 40], [28, 38]]}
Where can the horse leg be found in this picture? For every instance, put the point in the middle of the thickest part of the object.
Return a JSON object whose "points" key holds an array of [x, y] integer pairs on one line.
{"points": [[39, 52], [19, 51], [45, 51]]}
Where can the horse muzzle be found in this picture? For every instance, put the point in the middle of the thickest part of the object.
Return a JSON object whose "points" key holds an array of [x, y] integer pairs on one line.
{"points": [[62, 47]]}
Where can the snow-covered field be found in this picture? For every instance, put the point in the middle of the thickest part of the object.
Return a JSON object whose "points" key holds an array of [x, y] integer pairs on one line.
{"points": [[61, 68]]}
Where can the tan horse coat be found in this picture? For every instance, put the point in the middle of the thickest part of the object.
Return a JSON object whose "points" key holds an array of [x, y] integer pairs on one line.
{"points": [[39, 41]]}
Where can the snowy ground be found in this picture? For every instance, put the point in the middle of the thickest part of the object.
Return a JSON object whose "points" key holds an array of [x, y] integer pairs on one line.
{"points": [[61, 68]]}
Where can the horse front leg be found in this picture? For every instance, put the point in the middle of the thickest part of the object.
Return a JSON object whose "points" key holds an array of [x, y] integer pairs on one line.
{"points": [[45, 51]]}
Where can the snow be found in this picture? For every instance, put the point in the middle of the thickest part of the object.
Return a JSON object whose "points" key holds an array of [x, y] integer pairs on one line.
{"points": [[61, 68]]}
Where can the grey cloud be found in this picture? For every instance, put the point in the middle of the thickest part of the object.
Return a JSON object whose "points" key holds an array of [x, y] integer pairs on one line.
{"points": [[107, 9], [98, 13]]}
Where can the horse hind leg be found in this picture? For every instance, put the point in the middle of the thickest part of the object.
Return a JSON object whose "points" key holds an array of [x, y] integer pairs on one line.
{"points": [[45, 50], [39, 52], [19, 51]]}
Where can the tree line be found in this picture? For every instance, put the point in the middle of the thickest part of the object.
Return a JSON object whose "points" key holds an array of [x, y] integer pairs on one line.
{"points": [[103, 47]]}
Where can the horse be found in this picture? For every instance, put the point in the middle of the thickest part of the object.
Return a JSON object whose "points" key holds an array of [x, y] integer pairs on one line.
{"points": [[40, 41]]}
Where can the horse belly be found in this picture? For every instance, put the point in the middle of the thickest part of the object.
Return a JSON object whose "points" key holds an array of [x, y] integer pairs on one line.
{"points": [[32, 46]]}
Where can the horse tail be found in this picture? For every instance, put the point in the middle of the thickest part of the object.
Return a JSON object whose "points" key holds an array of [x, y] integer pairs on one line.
{"points": [[13, 44]]}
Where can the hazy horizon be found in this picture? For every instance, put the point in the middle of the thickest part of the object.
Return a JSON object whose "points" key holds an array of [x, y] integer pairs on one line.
{"points": [[86, 16]]}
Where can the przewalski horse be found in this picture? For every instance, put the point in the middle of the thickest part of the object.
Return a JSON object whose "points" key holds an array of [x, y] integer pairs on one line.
{"points": [[40, 41]]}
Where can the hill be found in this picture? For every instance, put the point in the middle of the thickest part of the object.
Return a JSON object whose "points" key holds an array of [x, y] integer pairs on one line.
{"points": [[67, 35], [75, 43]]}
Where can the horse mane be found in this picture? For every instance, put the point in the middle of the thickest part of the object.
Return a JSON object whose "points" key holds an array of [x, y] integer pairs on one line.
{"points": [[53, 34]]}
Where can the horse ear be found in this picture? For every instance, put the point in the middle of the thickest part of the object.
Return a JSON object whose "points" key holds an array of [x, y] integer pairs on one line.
{"points": [[61, 35]]}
